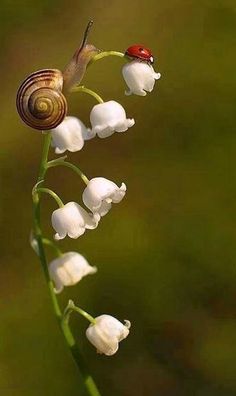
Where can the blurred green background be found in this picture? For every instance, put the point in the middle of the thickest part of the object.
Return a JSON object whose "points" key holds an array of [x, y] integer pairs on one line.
{"points": [[166, 255]]}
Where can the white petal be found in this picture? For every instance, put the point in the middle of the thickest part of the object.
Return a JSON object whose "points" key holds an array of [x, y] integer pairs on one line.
{"points": [[68, 135], [105, 131], [107, 118], [88, 134], [104, 207], [59, 151], [100, 193], [77, 266], [106, 333], [60, 236], [69, 269], [140, 77], [157, 76], [72, 219], [130, 122], [76, 232], [58, 288], [128, 92], [119, 194]]}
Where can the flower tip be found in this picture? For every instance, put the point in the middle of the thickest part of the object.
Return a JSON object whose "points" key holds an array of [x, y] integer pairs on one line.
{"points": [[128, 93], [130, 122], [89, 134], [123, 187], [96, 217], [142, 92], [127, 324], [157, 76], [59, 151], [57, 237], [58, 290]]}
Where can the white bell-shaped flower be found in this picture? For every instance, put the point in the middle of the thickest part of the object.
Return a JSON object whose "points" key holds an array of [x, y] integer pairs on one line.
{"points": [[72, 220], [69, 269], [106, 334], [70, 135], [109, 117], [100, 193], [140, 77]]}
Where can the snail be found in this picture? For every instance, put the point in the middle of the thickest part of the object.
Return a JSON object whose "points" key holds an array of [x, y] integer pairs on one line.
{"points": [[41, 99]]}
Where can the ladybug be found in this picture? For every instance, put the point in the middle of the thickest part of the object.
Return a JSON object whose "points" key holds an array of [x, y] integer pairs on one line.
{"points": [[140, 52]]}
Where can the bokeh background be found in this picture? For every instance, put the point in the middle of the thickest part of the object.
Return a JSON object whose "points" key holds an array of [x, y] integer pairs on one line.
{"points": [[166, 255]]}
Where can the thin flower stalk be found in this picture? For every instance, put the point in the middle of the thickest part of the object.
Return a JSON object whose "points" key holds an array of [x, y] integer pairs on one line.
{"points": [[105, 54], [82, 88], [75, 168]]}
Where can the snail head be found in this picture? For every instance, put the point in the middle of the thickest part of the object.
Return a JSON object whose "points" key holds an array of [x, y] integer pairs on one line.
{"points": [[76, 68]]}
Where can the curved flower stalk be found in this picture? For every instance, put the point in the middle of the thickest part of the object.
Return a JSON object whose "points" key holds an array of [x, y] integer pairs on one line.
{"points": [[104, 332], [70, 219]]}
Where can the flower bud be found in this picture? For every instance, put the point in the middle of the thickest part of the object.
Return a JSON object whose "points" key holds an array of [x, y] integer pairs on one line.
{"points": [[109, 117], [140, 77], [72, 220], [106, 334], [100, 193], [69, 269], [70, 135]]}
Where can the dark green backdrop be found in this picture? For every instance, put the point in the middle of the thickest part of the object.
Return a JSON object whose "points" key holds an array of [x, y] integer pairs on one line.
{"points": [[166, 255]]}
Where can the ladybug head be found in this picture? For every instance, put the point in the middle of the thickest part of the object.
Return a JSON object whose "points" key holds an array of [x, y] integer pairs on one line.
{"points": [[140, 52]]}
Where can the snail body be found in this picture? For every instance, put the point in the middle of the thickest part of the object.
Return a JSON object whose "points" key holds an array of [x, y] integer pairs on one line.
{"points": [[40, 101], [76, 68]]}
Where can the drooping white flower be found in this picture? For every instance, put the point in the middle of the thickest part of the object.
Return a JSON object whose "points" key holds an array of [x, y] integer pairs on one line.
{"points": [[72, 220], [70, 135], [106, 334], [109, 117], [100, 193], [69, 269], [140, 77]]}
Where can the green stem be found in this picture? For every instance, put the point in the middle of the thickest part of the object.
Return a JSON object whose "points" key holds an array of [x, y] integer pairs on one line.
{"points": [[81, 88], [78, 357], [89, 383], [52, 193], [50, 243], [71, 166], [84, 314], [104, 54], [43, 164], [72, 307]]}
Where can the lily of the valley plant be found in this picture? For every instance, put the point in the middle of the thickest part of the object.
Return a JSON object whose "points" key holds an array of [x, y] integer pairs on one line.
{"points": [[42, 104]]}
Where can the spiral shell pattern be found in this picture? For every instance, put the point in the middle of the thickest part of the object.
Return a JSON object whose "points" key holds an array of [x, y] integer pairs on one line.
{"points": [[40, 102]]}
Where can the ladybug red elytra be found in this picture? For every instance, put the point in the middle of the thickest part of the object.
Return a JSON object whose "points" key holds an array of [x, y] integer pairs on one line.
{"points": [[140, 52]]}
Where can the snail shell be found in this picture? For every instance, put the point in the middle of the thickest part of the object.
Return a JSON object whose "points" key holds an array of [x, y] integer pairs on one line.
{"points": [[40, 101]]}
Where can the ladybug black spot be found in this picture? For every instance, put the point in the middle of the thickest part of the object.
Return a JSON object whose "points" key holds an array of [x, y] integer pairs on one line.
{"points": [[141, 49]]}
